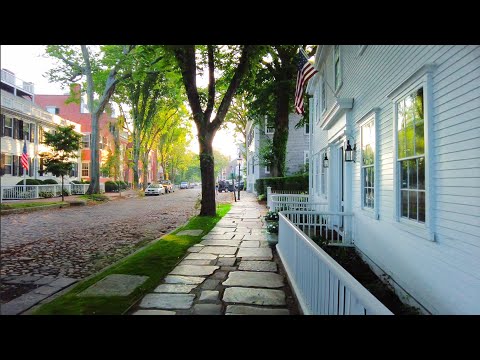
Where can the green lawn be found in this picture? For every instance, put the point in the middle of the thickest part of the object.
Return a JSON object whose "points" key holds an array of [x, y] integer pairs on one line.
{"points": [[155, 261], [10, 206]]}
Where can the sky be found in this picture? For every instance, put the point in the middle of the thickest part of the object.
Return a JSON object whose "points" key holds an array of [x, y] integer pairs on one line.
{"points": [[28, 64]]}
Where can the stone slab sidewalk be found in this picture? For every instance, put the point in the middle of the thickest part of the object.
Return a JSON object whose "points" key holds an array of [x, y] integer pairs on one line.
{"points": [[232, 271]]}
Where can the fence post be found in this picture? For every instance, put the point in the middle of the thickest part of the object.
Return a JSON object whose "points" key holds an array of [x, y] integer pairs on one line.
{"points": [[269, 197]]}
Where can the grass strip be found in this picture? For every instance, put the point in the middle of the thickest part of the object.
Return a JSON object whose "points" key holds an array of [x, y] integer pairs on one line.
{"points": [[11, 206]]}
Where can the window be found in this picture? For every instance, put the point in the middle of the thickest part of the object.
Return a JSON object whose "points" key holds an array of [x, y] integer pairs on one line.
{"points": [[269, 127], [74, 171], [53, 110], [267, 169], [86, 141], [411, 155], [324, 95], [305, 157], [41, 137], [32, 132], [337, 67], [41, 171], [6, 166], [85, 168], [368, 164], [306, 128], [8, 127], [26, 131]]}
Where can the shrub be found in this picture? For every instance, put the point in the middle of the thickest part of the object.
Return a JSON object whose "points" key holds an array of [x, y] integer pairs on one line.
{"points": [[66, 192], [30, 182], [273, 228], [262, 197], [75, 182], [46, 194], [111, 186], [50, 181], [271, 216], [297, 182]]}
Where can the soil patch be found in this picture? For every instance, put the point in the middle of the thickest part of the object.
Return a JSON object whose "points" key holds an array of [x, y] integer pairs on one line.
{"points": [[349, 259]]}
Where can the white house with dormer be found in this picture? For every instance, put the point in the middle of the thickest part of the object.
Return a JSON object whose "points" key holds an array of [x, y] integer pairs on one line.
{"points": [[410, 114]]}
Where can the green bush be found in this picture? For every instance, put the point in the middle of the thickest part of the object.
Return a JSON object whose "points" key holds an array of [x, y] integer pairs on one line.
{"points": [[30, 182], [75, 182], [262, 197], [46, 194], [50, 181], [66, 192], [271, 216], [273, 228], [111, 186], [297, 182]]}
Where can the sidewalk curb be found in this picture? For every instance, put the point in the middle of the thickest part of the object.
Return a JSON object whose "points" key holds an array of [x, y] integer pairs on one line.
{"points": [[31, 209]]}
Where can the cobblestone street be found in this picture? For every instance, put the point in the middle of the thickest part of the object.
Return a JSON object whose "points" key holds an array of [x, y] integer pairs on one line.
{"points": [[77, 242]]}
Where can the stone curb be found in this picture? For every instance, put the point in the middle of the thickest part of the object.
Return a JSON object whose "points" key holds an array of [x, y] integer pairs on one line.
{"points": [[31, 209]]}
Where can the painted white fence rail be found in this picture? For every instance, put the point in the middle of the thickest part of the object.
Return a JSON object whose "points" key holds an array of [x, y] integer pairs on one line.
{"points": [[321, 285], [285, 195], [335, 228], [18, 192]]}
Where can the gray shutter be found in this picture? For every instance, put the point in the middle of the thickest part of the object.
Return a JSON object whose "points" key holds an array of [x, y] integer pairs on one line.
{"points": [[2, 124], [14, 165], [20, 129], [2, 164]]}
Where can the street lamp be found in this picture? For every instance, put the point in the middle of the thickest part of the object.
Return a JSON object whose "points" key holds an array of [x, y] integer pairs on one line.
{"points": [[239, 160], [232, 175]]}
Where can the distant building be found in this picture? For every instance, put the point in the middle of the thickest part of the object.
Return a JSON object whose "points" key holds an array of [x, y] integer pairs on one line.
{"points": [[21, 119]]}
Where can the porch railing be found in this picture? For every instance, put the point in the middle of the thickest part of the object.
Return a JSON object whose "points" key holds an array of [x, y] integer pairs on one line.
{"points": [[19, 192], [321, 285], [284, 198]]}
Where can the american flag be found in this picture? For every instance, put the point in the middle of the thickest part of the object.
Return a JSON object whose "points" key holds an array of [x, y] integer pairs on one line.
{"points": [[305, 73], [24, 158]]}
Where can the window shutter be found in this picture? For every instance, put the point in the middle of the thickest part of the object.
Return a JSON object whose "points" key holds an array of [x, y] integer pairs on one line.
{"points": [[14, 165], [32, 132], [2, 124], [2, 164], [14, 128], [20, 129]]}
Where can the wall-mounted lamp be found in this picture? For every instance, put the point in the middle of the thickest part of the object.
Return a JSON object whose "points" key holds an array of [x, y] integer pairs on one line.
{"points": [[325, 161], [350, 153]]}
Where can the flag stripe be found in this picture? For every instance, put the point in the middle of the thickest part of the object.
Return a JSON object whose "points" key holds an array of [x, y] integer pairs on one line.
{"points": [[305, 72], [24, 157]]}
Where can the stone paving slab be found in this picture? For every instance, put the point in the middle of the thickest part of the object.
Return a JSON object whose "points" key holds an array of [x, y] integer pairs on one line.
{"points": [[220, 275], [254, 296], [179, 279], [207, 309], [195, 232], [226, 261], [167, 301], [47, 290], [174, 288], [197, 262], [255, 253], [217, 237], [250, 244], [63, 282], [254, 279], [200, 256], [252, 310], [45, 280], [154, 312], [239, 236], [219, 250], [21, 303], [22, 279], [221, 242], [254, 237], [194, 249], [257, 266], [210, 284], [193, 270], [114, 285], [209, 295]]}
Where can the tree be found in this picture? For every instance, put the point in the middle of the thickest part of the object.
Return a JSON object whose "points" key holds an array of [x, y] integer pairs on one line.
{"points": [[238, 115], [65, 143], [103, 70], [222, 59]]}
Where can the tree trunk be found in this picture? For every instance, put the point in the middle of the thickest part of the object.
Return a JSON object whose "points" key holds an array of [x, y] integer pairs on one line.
{"points": [[208, 176], [94, 187], [62, 190], [145, 171], [280, 136], [136, 160]]}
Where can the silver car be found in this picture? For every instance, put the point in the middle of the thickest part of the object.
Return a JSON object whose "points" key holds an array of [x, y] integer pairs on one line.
{"points": [[154, 189]]}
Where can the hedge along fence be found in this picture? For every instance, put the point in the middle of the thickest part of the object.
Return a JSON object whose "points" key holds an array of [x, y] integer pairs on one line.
{"points": [[297, 182]]}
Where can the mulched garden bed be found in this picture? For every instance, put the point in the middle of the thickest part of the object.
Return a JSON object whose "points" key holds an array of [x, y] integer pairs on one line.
{"points": [[352, 262]]}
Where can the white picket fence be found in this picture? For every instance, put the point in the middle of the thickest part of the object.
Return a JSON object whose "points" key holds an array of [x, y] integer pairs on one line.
{"points": [[19, 192], [321, 285], [284, 196]]}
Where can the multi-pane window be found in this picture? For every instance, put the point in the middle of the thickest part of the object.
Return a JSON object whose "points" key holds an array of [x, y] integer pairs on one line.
{"points": [[337, 71], [269, 127], [85, 168], [305, 157], [86, 141], [6, 166], [8, 127], [306, 128], [411, 156], [32, 132], [26, 131], [267, 169], [53, 110], [368, 164]]}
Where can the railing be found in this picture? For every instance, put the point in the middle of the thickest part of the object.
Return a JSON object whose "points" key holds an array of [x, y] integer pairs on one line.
{"points": [[19, 192], [15, 81], [333, 228], [291, 195], [321, 285]]}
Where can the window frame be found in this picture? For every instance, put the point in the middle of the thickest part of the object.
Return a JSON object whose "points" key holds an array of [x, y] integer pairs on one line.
{"points": [[10, 127], [340, 80], [267, 169], [89, 141], [5, 164], [323, 95], [423, 77], [87, 169]]}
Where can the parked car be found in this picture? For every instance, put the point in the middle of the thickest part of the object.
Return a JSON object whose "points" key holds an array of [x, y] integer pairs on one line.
{"points": [[222, 186], [184, 185], [154, 189], [167, 184]]}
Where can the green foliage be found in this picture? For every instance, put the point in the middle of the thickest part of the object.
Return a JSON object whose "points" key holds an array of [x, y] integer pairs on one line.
{"points": [[266, 154], [46, 194], [271, 216], [273, 227], [95, 197], [297, 182], [30, 182], [111, 186], [50, 182], [262, 197]]}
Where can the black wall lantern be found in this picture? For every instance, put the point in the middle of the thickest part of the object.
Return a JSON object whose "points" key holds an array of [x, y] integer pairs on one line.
{"points": [[349, 152], [325, 161]]}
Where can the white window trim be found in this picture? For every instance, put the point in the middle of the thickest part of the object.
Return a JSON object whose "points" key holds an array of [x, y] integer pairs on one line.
{"points": [[340, 64], [323, 106], [267, 171], [420, 78], [88, 165], [373, 114], [10, 127], [305, 157], [9, 164]]}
